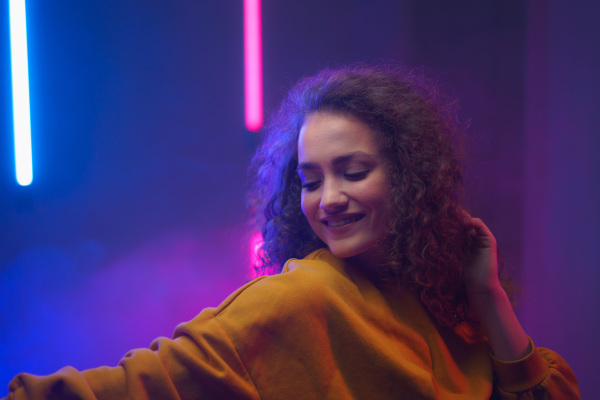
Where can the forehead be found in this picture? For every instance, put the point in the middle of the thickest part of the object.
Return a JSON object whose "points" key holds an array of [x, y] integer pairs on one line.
{"points": [[326, 135]]}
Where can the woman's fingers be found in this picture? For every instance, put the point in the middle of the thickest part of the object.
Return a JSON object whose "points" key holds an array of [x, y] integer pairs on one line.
{"points": [[479, 231]]}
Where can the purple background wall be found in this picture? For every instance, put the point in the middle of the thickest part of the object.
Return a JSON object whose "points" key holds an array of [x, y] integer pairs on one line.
{"points": [[135, 220], [561, 196]]}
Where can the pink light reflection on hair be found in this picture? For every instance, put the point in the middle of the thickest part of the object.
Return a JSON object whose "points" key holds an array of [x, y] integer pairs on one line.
{"points": [[256, 242]]}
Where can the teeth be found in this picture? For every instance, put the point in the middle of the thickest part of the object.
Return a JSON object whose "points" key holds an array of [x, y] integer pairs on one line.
{"points": [[344, 221]]}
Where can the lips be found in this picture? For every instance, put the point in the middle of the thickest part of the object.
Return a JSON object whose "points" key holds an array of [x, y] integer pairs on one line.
{"points": [[343, 221]]}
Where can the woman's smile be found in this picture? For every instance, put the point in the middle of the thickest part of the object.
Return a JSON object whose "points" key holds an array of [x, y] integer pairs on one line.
{"points": [[337, 222]]}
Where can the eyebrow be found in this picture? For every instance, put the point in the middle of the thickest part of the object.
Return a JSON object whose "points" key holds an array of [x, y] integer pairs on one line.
{"points": [[335, 162]]}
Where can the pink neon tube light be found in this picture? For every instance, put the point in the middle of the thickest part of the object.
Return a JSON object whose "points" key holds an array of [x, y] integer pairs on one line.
{"points": [[253, 65]]}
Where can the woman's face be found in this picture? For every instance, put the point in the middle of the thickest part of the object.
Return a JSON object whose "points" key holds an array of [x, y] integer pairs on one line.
{"points": [[345, 185]]}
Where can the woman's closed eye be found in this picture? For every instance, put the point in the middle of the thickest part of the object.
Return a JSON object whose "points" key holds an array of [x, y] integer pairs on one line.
{"points": [[356, 176], [311, 185]]}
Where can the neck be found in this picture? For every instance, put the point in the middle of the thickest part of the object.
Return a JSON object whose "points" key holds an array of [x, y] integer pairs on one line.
{"points": [[369, 261]]}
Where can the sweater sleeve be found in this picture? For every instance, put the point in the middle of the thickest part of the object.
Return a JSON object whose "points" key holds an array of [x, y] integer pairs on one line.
{"points": [[541, 374], [202, 365]]}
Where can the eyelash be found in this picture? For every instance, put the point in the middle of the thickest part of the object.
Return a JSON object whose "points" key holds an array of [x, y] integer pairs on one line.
{"points": [[310, 186], [353, 177], [356, 176]]}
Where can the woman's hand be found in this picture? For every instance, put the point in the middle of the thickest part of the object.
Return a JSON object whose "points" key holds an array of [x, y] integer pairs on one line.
{"points": [[481, 270], [488, 299]]}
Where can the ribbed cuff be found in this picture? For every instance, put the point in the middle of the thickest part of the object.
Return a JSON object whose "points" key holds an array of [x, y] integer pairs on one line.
{"points": [[521, 375]]}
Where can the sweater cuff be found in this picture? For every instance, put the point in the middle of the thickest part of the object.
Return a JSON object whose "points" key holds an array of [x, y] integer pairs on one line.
{"points": [[521, 375]]}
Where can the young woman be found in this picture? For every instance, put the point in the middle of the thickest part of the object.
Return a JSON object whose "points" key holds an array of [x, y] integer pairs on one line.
{"points": [[379, 284]]}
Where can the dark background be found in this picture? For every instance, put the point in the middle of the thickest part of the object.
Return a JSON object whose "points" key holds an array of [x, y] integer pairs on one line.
{"points": [[135, 219]]}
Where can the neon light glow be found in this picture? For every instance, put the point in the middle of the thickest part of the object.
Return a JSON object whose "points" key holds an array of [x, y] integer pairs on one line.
{"points": [[256, 243], [20, 86], [253, 64]]}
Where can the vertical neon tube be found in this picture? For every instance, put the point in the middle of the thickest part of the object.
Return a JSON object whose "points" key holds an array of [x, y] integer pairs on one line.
{"points": [[253, 65], [20, 90]]}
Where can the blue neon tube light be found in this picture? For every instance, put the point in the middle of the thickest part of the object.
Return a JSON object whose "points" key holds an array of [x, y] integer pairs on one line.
{"points": [[20, 90]]}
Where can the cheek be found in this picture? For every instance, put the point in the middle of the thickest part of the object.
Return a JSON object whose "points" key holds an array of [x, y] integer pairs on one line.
{"points": [[302, 204], [309, 204], [378, 197], [375, 193], [305, 204]]}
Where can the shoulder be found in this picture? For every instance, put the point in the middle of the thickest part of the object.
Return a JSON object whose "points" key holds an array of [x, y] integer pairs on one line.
{"points": [[304, 287], [272, 308], [302, 283]]}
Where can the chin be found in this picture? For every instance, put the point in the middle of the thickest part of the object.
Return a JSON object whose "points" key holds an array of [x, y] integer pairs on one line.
{"points": [[349, 251], [342, 253], [369, 254]]}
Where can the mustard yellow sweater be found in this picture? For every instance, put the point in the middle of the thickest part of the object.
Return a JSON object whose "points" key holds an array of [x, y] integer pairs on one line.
{"points": [[319, 330]]}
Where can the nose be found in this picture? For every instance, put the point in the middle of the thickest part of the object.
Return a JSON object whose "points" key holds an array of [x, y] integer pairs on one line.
{"points": [[333, 197]]}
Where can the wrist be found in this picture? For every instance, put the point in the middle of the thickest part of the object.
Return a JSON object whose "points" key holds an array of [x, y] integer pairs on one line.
{"points": [[487, 293], [507, 339], [488, 301]]}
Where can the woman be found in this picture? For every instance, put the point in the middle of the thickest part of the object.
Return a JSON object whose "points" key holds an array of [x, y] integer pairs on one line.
{"points": [[388, 288]]}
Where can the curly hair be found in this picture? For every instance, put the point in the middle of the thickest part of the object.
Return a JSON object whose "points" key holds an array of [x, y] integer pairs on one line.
{"points": [[421, 144]]}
